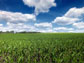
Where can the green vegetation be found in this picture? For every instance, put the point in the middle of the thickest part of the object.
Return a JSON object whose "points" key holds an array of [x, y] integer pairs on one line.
{"points": [[42, 48]]}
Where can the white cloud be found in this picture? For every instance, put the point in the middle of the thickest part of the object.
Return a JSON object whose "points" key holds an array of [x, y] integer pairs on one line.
{"points": [[79, 25], [45, 24], [44, 27], [17, 27], [65, 20], [1, 25], [62, 29], [40, 5], [72, 16], [16, 22], [45, 30], [16, 17], [75, 12], [77, 31]]}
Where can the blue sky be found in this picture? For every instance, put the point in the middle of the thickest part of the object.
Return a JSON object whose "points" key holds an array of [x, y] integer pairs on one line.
{"points": [[42, 15]]}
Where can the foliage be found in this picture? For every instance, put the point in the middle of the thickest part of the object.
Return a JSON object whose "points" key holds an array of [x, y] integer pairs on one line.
{"points": [[42, 48]]}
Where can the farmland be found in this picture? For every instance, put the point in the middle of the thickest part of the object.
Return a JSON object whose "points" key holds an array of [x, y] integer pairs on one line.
{"points": [[42, 48]]}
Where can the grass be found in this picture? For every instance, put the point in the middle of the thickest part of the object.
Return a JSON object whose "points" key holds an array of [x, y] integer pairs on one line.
{"points": [[42, 48]]}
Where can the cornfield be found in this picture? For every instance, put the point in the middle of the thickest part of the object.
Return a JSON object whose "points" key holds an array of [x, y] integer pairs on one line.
{"points": [[42, 48]]}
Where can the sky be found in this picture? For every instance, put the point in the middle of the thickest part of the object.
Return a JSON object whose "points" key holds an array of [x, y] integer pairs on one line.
{"points": [[42, 15]]}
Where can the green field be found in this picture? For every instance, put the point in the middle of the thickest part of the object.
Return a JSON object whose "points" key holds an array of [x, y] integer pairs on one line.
{"points": [[42, 48]]}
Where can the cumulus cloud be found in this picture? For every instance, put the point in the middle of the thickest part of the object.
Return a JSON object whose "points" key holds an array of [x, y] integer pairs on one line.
{"points": [[40, 5], [1, 25], [45, 24], [44, 27], [17, 27], [16, 17], [70, 17], [65, 20], [15, 21], [48, 30], [63, 29], [79, 25], [77, 31], [75, 12]]}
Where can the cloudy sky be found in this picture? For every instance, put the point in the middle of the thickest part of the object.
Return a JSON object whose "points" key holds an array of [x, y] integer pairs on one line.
{"points": [[42, 15]]}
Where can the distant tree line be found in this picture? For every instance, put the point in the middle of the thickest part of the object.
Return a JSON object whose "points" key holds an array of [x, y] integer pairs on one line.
{"points": [[18, 32], [7, 32]]}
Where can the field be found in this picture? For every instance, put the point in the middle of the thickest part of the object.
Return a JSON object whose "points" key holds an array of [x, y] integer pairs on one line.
{"points": [[42, 48]]}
